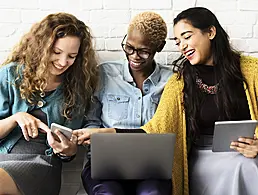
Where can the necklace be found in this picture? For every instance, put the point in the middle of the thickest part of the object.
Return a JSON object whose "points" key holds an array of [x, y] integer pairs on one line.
{"points": [[213, 89]]}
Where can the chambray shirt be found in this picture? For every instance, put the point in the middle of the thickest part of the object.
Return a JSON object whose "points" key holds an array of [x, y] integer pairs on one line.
{"points": [[123, 104], [11, 103]]}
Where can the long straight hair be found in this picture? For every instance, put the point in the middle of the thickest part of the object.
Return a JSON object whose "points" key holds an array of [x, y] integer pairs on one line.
{"points": [[226, 66]]}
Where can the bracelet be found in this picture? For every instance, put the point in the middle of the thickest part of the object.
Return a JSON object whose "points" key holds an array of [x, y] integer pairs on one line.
{"points": [[65, 158]]}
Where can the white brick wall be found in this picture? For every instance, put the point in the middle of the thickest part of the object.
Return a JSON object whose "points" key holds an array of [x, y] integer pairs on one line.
{"points": [[109, 19]]}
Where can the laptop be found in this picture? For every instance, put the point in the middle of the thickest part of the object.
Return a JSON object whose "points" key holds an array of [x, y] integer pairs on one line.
{"points": [[132, 155]]}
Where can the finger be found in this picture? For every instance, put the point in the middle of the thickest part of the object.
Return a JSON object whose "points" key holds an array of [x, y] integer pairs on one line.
{"points": [[84, 136], [34, 128], [55, 151], [50, 138], [79, 142], [246, 140], [43, 126], [250, 155], [34, 132], [74, 139], [241, 150], [24, 132], [247, 153], [29, 130], [77, 133], [86, 142], [234, 144], [60, 136], [243, 145], [56, 138]]}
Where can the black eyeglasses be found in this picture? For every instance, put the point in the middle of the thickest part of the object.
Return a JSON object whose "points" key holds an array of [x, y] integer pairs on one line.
{"points": [[129, 50]]}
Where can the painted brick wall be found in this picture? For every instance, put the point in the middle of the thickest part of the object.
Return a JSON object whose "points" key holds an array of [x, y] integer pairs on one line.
{"points": [[108, 20]]}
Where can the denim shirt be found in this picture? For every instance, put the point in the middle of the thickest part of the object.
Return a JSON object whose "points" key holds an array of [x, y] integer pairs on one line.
{"points": [[123, 104], [11, 103]]}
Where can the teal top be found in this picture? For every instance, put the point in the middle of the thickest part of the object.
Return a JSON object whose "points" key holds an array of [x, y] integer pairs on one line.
{"points": [[11, 103]]}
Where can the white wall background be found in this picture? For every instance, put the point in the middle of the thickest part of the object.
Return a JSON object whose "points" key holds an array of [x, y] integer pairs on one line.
{"points": [[108, 20]]}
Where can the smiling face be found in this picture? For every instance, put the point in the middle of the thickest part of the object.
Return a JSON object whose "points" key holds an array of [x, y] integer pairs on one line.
{"points": [[194, 44], [138, 41], [63, 55]]}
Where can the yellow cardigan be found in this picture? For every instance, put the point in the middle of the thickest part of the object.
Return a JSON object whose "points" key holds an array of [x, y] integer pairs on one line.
{"points": [[170, 118]]}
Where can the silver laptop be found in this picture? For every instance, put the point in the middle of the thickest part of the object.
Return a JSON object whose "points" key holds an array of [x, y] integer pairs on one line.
{"points": [[132, 155]]}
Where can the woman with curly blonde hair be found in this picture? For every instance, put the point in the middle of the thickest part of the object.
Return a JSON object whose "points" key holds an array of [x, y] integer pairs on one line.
{"points": [[50, 77]]}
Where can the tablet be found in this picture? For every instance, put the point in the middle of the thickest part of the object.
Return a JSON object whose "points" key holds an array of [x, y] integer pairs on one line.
{"points": [[227, 131]]}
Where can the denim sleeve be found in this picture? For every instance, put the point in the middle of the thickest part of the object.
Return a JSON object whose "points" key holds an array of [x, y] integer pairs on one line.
{"points": [[92, 118], [4, 95]]}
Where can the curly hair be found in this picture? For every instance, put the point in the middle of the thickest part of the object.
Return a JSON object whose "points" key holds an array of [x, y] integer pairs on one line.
{"points": [[33, 53], [150, 24]]}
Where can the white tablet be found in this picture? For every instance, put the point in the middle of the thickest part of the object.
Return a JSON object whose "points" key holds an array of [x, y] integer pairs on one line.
{"points": [[227, 131]]}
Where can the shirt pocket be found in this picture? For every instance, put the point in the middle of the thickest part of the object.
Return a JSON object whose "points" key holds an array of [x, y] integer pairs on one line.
{"points": [[118, 106]]}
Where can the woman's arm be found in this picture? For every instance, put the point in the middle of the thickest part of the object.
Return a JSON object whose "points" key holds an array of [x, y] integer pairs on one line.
{"points": [[28, 124], [7, 125], [9, 120]]}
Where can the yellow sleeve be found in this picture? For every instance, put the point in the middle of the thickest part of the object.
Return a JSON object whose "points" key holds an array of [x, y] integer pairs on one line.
{"points": [[168, 113]]}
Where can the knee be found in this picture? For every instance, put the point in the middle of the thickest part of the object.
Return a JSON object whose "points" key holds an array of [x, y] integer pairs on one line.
{"points": [[149, 192], [147, 187], [154, 187], [7, 185], [108, 188]]}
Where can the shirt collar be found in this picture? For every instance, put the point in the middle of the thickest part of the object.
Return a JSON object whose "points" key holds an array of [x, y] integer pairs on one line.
{"points": [[154, 77]]}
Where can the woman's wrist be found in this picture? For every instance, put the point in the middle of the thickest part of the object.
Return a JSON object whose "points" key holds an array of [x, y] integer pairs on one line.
{"points": [[108, 130], [65, 158]]}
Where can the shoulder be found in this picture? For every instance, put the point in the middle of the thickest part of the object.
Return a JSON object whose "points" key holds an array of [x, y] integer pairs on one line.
{"points": [[175, 85], [112, 68], [9, 70], [165, 71], [249, 65]]}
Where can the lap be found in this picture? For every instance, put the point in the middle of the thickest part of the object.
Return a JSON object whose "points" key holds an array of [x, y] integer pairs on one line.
{"points": [[124, 187], [222, 173], [33, 174]]}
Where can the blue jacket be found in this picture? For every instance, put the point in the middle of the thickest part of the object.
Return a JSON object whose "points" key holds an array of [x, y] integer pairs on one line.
{"points": [[123, 104], [11, 103]]}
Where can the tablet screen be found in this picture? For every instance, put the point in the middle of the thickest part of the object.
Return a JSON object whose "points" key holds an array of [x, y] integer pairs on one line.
{"points": [[227, 131]]}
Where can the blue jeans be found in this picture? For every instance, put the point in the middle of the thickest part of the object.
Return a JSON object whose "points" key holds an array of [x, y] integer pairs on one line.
{"points": [[124, 187]]}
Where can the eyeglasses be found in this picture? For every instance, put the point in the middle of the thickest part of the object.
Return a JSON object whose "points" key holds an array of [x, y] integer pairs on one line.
{"points": [[129, 50]]}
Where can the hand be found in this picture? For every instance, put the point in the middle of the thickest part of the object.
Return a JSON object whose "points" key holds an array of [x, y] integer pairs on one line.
{"points": [[246, 146], [62, 145], [84, 134], [30, 125]]}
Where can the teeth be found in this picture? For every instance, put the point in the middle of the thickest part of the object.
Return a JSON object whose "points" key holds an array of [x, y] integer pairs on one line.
{"points": [[135, 64], [58, 67], [190, 52]]}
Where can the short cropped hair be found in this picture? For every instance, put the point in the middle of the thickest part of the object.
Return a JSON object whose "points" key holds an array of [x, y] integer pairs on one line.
{"points": [[150, 24]]}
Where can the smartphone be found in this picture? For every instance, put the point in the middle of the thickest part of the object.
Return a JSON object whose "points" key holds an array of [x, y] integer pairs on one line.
{"points": [[67, 132]]}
